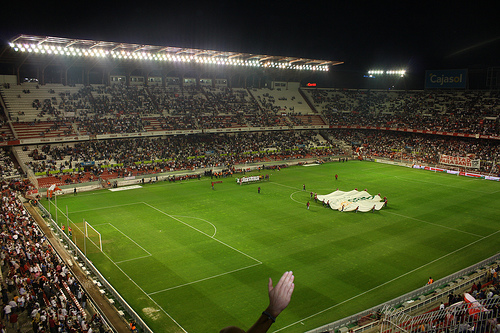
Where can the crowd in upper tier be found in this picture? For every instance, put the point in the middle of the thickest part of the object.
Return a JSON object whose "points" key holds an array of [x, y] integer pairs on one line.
{"points": [[134, 109], [473, 112]]}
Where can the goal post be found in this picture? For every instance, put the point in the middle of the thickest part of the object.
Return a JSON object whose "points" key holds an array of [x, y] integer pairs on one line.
{"points": [[93, 235]]}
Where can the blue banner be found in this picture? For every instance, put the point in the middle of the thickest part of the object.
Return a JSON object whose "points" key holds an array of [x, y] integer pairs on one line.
{"points": [[452, 78]]}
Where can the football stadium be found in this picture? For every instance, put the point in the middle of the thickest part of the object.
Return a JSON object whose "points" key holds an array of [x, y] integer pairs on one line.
{"points": [[155, 188]]}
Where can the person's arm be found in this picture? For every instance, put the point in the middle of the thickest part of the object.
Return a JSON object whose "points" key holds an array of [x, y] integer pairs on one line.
{"points": [[279, 298]]}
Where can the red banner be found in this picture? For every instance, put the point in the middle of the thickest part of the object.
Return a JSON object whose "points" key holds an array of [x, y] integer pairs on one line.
{"points": [[459, 161]]}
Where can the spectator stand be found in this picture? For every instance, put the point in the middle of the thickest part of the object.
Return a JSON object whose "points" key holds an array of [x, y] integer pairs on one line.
{"points": [[36, 272], [90, 270]]}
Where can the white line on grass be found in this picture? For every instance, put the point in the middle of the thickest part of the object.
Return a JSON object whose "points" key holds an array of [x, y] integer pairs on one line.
{"points": [[293, 187], [107, 207], [149, 254], [133, 241], [291, 197], [137, 258], [192, 217], [435, 224], [407, 217], [258, 262], [135, 283], [434, 183], [152, 300], [387, 282], [204, 279], [283, 185], [188, 225]]}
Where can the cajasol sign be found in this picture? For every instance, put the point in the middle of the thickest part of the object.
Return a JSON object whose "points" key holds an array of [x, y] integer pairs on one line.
{"points": [[451, 78]]}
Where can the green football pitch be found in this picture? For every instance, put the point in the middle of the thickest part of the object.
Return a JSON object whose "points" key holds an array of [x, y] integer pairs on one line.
{"points": [[189, 258]]}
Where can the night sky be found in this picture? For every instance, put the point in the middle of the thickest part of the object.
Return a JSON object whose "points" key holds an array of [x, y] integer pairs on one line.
{"points": [[415, 35]]}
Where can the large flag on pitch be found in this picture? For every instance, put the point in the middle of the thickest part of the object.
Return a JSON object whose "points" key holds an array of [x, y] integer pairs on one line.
{"points": [[352, 200]]}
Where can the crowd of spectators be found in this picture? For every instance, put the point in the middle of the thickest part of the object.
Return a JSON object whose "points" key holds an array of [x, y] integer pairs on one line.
{"points": [[421, 148], [182, 152], [8, 169], [473, 112], [38, 288], [203, 150], [121, 109], [103, 125]]}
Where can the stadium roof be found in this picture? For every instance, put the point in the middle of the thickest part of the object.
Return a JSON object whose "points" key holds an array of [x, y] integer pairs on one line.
{"points": [[116, 50]]}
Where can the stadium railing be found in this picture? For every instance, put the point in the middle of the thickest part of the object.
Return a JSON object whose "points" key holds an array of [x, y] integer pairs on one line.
{"points": [[88, 264], [452, 283]]}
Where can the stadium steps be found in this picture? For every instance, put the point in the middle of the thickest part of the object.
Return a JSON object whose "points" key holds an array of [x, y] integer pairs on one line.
{"points": [[154, 125], [39, 129], [6, 132], [20, 104], [311, 120]]}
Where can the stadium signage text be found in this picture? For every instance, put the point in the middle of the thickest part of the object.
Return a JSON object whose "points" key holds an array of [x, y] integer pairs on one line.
{"points": [[446, 78], [459, 161]]}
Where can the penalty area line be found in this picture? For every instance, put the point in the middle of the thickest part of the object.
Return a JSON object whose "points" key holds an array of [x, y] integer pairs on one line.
{"points": [[107, 207], [149, 297], [204, 279], [201, 232], [126, 260], [130, 239]]}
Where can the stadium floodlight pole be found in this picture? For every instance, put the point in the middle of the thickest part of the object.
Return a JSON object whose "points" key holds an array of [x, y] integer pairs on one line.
{"points": [[85, 238], [55, 196], [67, 228]]}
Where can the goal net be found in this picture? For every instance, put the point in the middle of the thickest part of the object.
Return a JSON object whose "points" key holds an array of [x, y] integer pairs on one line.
{"points": [[93, 236]]}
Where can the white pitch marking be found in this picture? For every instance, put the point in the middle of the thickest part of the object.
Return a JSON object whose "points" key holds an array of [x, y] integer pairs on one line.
{"points": [[133, 241], [192, 217], [152, 300], [126, 260], [107, 207], [435, 224], [203, 233], [204, 279], [387, 282]]}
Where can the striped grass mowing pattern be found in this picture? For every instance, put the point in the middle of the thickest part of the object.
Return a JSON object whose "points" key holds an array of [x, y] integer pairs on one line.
{"points": [[189, 258]]}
